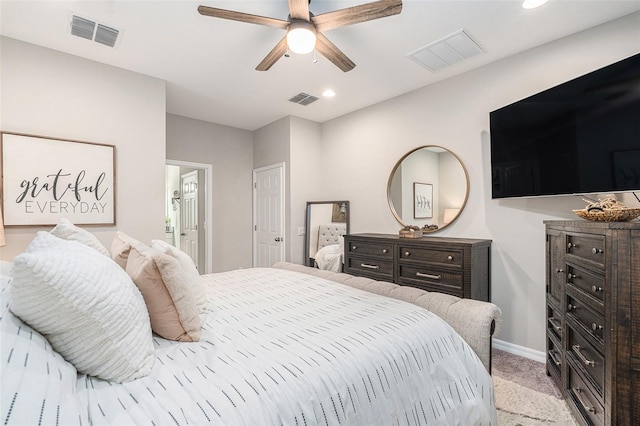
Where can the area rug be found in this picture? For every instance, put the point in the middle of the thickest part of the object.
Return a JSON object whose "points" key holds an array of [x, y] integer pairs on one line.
{"points": [[525, 395]]}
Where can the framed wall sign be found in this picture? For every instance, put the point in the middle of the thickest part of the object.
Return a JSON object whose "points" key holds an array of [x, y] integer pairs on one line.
{"points": [[422, 200], [45, 179]]}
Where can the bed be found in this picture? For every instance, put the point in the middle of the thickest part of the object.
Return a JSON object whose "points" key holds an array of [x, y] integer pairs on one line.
{"points": [[329, 251], [278, 345]]}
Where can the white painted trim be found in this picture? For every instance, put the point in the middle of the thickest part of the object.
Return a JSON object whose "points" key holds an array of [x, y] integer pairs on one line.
{"points": [[281, 166], [208, 212], [519, 350]]}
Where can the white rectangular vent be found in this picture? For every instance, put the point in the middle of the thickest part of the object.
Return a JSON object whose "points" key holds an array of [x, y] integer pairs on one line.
{"points": [[446, 51], [303, 99], [91, 30]]}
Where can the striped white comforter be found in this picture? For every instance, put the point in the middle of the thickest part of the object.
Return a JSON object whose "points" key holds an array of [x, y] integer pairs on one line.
{"points": [[278, 347]]}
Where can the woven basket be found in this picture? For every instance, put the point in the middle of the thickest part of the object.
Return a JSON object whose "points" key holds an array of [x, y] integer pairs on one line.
{"points": [[609, 215]]}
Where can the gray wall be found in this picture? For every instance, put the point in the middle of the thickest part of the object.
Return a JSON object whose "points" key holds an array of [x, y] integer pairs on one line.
{"points": [[50, 93], [455, 114], [230, 152]]}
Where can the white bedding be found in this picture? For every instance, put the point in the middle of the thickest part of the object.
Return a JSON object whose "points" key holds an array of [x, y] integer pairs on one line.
{"points": [[329, 258], [278, 347]]}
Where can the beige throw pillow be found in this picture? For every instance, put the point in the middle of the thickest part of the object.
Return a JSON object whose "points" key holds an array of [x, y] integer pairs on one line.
{"points": [[189, 268], [120, 247], [167, 293]]}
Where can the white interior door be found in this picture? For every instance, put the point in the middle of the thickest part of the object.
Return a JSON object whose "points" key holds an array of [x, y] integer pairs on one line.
{"points": [[268, 201], [189, 215]]}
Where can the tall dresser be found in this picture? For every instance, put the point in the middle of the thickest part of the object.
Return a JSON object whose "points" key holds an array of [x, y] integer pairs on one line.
{"points": [[456, 266], [593, 324]]}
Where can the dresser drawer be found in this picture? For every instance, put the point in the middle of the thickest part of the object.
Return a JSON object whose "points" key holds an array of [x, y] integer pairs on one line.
{"points": [[590, 283], [554, 359], [444, 256], [370, 248], [433, 279], [581, 395], [587, 246], [370, 267], [592, 322], [584, 354], [554, 322]]}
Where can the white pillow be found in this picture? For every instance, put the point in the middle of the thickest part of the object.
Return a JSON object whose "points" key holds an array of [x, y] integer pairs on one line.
{"points": [[68, 231], [85, 305], [199, 292]]}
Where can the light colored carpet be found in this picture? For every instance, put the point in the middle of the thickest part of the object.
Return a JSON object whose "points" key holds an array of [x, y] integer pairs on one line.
{"points": [[525, 395]]}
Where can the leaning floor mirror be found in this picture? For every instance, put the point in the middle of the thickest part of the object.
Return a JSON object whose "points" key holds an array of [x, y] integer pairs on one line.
{"points": [[326, 224]]}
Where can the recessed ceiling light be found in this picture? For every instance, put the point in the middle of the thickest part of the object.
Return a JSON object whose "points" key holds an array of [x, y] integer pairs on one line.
{"points": [[328, 93], [532, 4]]}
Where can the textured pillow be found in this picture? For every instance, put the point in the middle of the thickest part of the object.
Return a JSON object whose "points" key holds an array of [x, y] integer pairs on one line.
{"points": [[167, 293], [85, 305], [189, 268], [120, 247], [68, 231]]}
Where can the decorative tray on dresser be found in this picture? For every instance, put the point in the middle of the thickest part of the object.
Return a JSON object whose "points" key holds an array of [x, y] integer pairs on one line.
{"points": [[457, 266], [593, 326]]}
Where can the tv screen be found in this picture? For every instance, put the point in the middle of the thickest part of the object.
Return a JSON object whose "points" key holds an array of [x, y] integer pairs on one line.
{"points": [[580, 137]]}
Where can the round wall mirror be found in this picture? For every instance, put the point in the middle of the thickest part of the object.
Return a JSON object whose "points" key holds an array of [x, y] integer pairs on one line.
{"points": [[428, 188]]}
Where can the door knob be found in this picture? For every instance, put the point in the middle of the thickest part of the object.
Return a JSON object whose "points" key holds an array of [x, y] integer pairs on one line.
{"points": [[278, 239]]}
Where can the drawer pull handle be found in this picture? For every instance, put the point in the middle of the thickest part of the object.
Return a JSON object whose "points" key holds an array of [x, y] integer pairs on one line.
{"points": [[449, 257], [578, 393], [385, 251], [555, 323], [596, 327], [430, 276], [596, 289], [571, 245], [354, 247], [406, 253], [554, 357], [571, 307], [366, 265], [596, 250], [571, 276], [578, 351]]}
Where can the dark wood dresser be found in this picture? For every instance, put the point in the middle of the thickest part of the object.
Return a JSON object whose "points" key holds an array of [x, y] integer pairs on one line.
{"points": [[457, 266], [593, 325]]}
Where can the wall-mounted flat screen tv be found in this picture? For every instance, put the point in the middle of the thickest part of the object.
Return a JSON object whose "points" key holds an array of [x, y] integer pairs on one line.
{"points": [[581, 137]]}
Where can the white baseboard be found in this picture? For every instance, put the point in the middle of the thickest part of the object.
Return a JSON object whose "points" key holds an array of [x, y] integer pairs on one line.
{"points": [[519, 350]]}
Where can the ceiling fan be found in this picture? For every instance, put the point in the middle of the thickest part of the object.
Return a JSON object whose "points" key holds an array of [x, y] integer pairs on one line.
{"points": [[304, 24]]}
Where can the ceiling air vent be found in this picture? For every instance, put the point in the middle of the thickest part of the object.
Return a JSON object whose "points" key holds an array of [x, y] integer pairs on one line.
{"points": [[303, 99], [91, 30], [82, 27], [446, 51]]}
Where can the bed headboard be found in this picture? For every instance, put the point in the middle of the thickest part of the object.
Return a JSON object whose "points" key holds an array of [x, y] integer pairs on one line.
{"points": [[330, 234]]}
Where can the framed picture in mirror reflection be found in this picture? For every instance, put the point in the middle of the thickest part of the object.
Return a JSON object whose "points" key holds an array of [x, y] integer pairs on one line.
{"points": [[422, 200]]}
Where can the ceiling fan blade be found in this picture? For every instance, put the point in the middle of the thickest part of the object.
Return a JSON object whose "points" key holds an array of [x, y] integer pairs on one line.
{"points": [[357, 14], [242, 17], [332, 53], [272, 57], [299, 9]]}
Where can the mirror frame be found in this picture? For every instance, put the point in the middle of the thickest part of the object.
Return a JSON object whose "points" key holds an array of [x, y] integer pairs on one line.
{"points": [[307, 224], [395, 168]]}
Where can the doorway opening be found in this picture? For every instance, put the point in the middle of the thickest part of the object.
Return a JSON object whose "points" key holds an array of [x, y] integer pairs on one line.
{"points": [[188, 210]]}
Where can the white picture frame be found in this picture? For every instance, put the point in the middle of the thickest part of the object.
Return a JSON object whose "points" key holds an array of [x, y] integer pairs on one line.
{"points": [[422, 200], [45, 179]]}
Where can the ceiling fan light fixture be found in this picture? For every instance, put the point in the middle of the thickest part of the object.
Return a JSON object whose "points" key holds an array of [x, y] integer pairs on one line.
{"points": [[301, 37]]}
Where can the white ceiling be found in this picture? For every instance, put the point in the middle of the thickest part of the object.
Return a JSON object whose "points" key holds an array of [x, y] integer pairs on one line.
{"points": [[209, 63]]}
